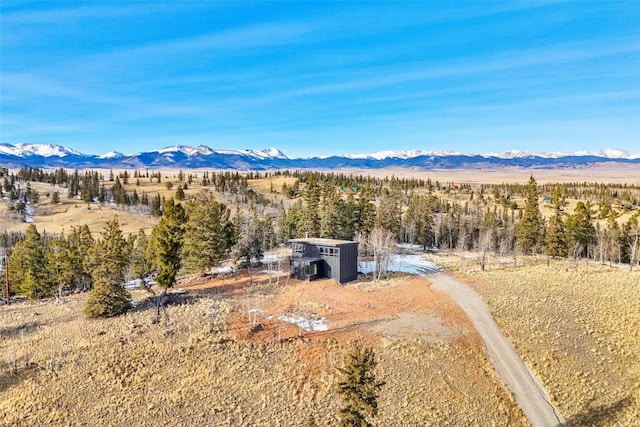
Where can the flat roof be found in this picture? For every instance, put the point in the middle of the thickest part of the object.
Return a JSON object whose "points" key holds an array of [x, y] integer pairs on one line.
{"points": [[324, 242]]}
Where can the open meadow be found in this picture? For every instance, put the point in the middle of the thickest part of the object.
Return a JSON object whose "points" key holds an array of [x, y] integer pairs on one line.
{"points": [[577, 326], [202, 365]]}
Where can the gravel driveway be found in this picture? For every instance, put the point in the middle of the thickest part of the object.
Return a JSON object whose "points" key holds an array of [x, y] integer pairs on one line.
{"points": [[527, 390]]}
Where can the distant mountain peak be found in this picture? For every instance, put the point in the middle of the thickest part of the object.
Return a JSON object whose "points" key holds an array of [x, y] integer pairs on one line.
{"points": [[202, 156], [112, 155], [44, 150]]}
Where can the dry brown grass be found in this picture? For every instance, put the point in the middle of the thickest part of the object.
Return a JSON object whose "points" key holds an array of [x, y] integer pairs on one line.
{"points": [[57, 218], [59, 368], [577, 326]]}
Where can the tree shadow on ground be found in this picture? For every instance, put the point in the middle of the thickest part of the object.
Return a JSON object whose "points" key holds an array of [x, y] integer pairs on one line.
{"points": [[599, 415], [9, 377], [14, 331]]}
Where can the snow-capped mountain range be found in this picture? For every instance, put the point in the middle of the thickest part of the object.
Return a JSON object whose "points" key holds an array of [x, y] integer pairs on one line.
{"points": [[186, 156]]}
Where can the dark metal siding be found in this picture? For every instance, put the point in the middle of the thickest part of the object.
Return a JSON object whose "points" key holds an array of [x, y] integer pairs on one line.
{"points": [[348, 263], [340, 262]]}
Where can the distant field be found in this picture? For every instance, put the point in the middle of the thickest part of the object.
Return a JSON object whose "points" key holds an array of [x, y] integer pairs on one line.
{"points": [[73, 212], [601, 173]]}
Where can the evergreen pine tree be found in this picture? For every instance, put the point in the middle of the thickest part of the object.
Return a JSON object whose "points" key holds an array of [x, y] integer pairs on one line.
{"points": [[329, 212], [390, 209], [580, 230], [209, 233], [309, 223], [555, 239], [358, 388], [108, 260], [28, 256], [167, 243], [59, 263], [139, 263], [365, 211], [529, 229]]}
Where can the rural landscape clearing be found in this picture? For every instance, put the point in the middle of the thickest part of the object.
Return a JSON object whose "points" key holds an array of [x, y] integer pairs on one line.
{"points": [[223, 337], [320, 213]]}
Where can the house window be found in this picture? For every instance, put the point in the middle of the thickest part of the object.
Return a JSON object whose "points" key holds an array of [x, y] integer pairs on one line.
{"points": [[311, 269]]}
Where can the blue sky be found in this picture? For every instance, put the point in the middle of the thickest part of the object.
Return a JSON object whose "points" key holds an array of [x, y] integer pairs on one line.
{"points": [[321, 78]]}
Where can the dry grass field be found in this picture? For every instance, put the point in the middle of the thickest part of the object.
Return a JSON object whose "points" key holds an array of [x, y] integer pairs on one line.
{"points": [[614, 173], [72, 212], [577, 326], [200, 365]]}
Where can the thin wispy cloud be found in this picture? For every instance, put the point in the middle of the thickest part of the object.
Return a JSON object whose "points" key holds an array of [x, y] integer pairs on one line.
{"points": [[356, 76]]}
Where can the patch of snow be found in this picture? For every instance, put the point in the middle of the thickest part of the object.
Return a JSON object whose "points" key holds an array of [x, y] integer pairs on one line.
{"points": [[223, 270], [411, 264], [272, 271], [316, 324], [409, 246], [406, 154], [28, 219]]}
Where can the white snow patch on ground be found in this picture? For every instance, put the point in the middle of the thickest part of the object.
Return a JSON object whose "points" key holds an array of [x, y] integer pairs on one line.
{"points": [[28, 210], [28, 219], [223, 270], [137, 283], [412, 264], [409, 246], [272, 271], [316, 324]]}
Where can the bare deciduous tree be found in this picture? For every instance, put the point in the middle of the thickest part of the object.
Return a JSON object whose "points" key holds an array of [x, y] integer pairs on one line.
{"points": [[382, 242]]}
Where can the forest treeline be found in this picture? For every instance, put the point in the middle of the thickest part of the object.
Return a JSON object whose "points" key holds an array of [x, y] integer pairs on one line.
{"points": [[197, 234]]}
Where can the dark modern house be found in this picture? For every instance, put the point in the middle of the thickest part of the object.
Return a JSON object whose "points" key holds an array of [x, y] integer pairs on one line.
{"points": [[313, 259]]}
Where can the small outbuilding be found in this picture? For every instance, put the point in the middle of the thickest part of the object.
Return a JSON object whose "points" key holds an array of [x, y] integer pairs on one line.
{"points": [[313, 259]]}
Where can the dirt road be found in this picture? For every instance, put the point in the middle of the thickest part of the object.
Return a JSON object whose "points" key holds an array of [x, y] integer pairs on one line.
{"points": [[528, 392]]}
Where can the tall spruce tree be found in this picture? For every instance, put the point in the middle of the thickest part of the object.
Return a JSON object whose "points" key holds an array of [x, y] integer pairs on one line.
{"points": [[418, 221], [309, 223], [209, 233], [59, 264], [580, 230], [27, 268], [358, 388], [108, 261], [329, 212], [166, 242], [529, 229], [390, 208], [365, 214], [555, 238]]}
